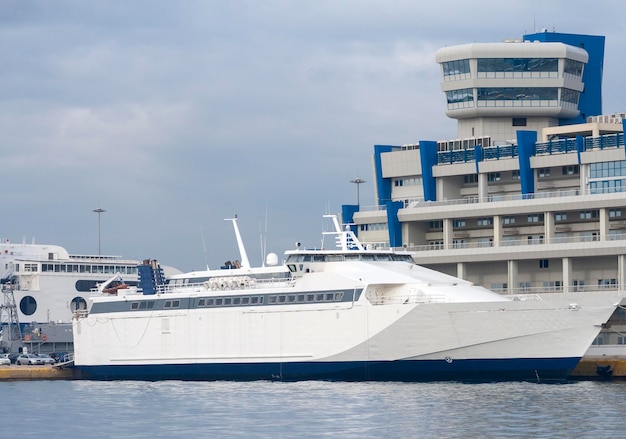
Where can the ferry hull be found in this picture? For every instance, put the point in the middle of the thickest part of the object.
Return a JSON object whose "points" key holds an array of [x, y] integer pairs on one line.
{"points": [[525, 369], [539, 340]]}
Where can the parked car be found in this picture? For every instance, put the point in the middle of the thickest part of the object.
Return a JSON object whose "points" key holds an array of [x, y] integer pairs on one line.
{"points": [[60, 357], [4, 360], [30, 359], [12, 356], [47, 359]]}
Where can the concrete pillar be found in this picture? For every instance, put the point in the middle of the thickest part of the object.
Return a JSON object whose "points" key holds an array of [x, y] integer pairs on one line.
{"points": [[584, 178], [548, 222], [512, 271], [461, 270], [604, 224], [447, 233], [567, 275], [497, 230], [483, 187], [621, 271]]}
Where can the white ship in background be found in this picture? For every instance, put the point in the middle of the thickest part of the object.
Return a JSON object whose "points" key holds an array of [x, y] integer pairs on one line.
{"points": [[43, 285], [347, 314]]}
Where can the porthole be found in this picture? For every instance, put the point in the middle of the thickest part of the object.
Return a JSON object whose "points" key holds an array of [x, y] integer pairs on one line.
{"points": [[28, 305]]}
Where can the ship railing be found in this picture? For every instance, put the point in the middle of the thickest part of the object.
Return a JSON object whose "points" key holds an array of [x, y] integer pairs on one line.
{"points": [[407, 299], [80, 314], [227, 284]]}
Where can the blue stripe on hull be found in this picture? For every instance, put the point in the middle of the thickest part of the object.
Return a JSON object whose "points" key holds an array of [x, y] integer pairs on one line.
{"points": [[541, 370]]}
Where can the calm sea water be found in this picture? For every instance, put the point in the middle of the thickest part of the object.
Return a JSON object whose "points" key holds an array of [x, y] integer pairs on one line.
{"points": [[174, 409]]}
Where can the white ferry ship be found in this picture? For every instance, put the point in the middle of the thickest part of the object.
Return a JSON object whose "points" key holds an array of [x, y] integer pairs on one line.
{"points": [[343, 314]]}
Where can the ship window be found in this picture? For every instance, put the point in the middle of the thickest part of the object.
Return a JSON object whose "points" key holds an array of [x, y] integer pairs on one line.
{"points": [[310, 297], [261, 299], [201, 302], [292, 267], [291, 298], [300, 297], [272, 299], [84, 285], [218, 301], [236, 300], [338, 297], [209, 302], [281, 299], [227, 301], [175, 303], [150, 305], [329, 296], [254, 300], [143, 305], [245, 300], [28, 305], [134, 305], [319, 297]]}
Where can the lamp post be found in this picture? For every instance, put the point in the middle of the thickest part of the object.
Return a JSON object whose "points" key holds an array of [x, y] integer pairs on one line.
{"points": [[99, 211], [358, 182]]}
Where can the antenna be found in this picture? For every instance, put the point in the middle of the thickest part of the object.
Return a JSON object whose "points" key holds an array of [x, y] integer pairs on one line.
{"points": [[263, 236], [206, 257], [242, 250]]}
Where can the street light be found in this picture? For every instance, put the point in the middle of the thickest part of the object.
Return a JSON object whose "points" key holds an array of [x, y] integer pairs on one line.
{"points": [[99, 211], [358, 182]]}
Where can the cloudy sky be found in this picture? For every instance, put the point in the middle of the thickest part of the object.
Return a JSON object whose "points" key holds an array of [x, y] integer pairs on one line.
{"points": [[172, 116]]}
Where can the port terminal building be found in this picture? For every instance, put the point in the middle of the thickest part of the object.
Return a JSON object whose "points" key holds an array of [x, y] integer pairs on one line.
{"points": [[530, 195]]}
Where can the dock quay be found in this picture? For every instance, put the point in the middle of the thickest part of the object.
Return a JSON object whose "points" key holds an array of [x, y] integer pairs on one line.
{"points": [[600, 367], [589, 369], [33, 373]]}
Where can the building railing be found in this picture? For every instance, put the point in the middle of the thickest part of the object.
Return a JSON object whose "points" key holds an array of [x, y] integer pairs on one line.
{"points": [[506, 243], [416, 203], [558, 146]]}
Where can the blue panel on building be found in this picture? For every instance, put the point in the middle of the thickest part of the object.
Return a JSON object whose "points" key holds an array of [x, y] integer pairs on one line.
{"points": [[383, 185], [526, 146], [590, 101], [395, 228], [428, 156]]}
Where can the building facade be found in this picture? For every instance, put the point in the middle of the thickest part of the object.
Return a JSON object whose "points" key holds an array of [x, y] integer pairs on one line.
{"points": [[531, 194]]}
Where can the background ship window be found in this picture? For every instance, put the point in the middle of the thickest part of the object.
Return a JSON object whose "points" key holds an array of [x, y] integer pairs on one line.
{"points": [[78, 303], [84, 285], [28, 305]]}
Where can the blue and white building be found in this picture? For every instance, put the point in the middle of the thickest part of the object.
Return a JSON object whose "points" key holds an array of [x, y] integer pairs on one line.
{"points": [[531, 193]]}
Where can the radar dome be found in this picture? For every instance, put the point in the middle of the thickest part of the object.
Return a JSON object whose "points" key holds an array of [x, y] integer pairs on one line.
{"points": [[271, 259]]}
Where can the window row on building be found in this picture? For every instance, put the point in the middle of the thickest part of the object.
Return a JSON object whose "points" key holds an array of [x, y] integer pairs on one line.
{"points": [[61, 267]]}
